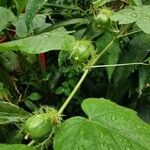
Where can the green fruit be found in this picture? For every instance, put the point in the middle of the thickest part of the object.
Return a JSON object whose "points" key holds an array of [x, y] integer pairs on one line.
{"points": [[81, 50], [39, 126], [102, 19]]}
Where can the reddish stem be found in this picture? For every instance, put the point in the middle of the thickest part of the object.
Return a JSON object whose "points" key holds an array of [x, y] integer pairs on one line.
{"points": [[43, 60], [3, 39]]}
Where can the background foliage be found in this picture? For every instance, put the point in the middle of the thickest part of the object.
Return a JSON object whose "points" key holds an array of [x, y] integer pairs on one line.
{"points": [[39, 66]]}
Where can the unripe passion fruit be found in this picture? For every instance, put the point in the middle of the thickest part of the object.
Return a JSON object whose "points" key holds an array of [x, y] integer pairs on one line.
{"points": [[81, 50], [39, 126], [103, 18]]}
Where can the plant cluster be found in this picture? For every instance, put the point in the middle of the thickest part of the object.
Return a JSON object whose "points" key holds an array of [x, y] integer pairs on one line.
{"points": [[75, 74]]}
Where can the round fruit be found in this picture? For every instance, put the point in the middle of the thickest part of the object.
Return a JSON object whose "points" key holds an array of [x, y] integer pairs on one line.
{"points": [[39, 126], [102, 19], [81, 50]]}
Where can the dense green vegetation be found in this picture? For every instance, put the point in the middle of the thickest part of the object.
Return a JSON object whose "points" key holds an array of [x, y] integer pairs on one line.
{"points": [[75, 74]]}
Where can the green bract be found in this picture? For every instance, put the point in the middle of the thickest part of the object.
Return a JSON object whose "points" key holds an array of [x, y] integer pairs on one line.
{"points": [[39, 126], [81, 50]]}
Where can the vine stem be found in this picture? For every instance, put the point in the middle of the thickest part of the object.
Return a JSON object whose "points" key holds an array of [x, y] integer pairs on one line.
{"points": [[130, 33], [88, 69], [119, 65], [31, 143], [73, 92]]}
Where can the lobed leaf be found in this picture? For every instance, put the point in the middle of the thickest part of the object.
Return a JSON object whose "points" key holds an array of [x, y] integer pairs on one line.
{"points": [[138, 49], [138, 14], [108, 126]]}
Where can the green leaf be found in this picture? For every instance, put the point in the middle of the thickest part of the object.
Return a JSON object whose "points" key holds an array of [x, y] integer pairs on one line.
{"points": [[38, 22], [1, 85], [112, 55], [138, 49], [108, 126], [34, 96], [144, 76], [138, 14], [3, 3], [30, 105], [33, 6], [147, 59], [146, 2], [138, 2], [125, 16], [143, 110], [15, 147], [144, 24], [6, 17], [53, 40], [21, 28], [10, 61], [20, 5], [59, 90], [79, 21], [10, 113], [99, 3], [4, 92], [15, 136]]}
